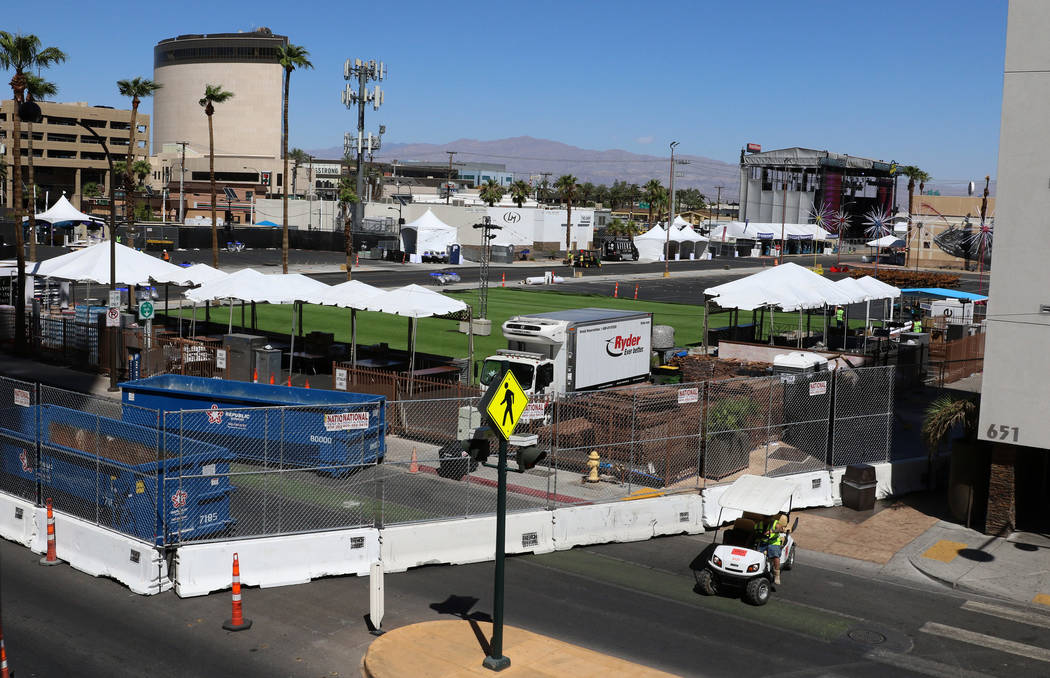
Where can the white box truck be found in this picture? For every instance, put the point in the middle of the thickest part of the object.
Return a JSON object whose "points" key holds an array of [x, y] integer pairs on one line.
{"points": [[576, 350]]}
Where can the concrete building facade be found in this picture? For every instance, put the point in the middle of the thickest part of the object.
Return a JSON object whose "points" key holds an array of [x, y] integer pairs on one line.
{"points": [[66, 157], [249, 124], [1016, 382]]}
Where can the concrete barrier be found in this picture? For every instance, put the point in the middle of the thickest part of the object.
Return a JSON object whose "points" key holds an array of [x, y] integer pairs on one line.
{"points": [[812, 489], [627, 520], [274, 561], [18, 521], [468, 540], [103, 553]]}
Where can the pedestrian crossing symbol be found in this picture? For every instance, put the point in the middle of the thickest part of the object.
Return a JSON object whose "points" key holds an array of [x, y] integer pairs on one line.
{"points": [[504, 403]]}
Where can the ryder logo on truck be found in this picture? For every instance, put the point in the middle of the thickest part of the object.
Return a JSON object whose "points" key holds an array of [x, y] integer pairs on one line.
{"points": [[621, 345]]}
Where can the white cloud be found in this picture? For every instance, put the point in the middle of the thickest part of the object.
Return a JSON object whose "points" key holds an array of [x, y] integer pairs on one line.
{"points": [[644, 140]]}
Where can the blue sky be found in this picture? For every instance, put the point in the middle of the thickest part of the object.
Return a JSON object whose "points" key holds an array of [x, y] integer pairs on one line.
{"points": [[916, 82]]}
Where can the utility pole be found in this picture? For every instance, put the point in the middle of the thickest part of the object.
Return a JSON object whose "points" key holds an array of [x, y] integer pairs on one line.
{"points": [[544, 184], [718, 203], [670, 217], [182, 178], [448, 179], [363, 71]]}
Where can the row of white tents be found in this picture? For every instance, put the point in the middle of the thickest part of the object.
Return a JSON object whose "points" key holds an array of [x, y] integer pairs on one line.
{"points": [[682, 240]]}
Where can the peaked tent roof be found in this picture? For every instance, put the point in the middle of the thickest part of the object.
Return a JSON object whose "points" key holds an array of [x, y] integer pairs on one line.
{"points": [[789, 287], [853, 288], [687, 234], [248, 284], [428, 220], [92, 264], [63, 211], [879, 289], [886, 241], [414, 301], [657, 232], [350, 294], [197, 274]]}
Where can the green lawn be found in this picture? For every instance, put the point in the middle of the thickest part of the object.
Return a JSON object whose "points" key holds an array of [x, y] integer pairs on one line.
{"points": [[442, 337]]}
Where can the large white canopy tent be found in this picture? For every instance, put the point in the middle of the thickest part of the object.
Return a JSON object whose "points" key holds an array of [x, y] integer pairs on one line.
{"points": [[743, 230], [788, 287], [874, 290], [63, 212], [91, 264], [685, 235], [415, 302], [354, 295], [428, 233], [651, 243]]}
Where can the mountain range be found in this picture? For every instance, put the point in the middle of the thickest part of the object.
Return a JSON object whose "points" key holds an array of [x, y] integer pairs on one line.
{"points": [[530, 157]]}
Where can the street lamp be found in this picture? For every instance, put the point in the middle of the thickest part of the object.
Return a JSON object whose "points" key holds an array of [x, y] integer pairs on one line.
{"points": [[112, 248], [670, 217]]}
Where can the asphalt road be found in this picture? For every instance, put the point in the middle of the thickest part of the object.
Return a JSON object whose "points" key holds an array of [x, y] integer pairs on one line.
{"points": [[636, 600]]}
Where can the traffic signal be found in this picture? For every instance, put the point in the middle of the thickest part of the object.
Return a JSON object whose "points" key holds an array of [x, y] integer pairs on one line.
{"points": [[527, 457]]}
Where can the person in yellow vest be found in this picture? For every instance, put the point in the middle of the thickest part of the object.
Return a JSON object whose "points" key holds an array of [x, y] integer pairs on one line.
{"points": [[772, 532], [840, 315], [916, 323]]}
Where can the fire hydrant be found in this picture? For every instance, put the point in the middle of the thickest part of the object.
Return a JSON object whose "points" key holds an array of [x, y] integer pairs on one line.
{"points": [[592, 464]]}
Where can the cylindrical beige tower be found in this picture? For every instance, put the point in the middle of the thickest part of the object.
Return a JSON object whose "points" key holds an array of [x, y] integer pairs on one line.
{"points": [[246, 64]]}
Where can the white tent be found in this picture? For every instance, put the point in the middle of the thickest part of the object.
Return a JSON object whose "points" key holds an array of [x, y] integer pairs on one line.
{"points": [[874, 290], [197, 274], [789, 287], [740, 230], [249, 285], [853, 288], [879, 289], [651, 243], [64, 212], [886, 241], [91, 264], [354, 295], [428, 233], [690, 243]]}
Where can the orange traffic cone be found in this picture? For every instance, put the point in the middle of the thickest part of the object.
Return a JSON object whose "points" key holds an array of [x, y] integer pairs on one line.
{"points": [[616, 290], [357, 260], [635, 291], [271, 379], [4, 673], [255, 376], [50, 558], [237, 622], [414, 466], [289, 379], [307, 382]]}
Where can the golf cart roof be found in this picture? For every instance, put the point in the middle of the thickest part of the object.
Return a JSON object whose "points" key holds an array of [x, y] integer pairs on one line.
{"points": [[759, 494]]}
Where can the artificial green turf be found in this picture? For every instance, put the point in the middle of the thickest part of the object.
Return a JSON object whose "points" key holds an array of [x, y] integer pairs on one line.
{"points": [[442, 337]]}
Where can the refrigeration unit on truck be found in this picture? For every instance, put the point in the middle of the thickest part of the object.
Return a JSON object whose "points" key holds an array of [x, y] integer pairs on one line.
{"points": [[575, 350]]}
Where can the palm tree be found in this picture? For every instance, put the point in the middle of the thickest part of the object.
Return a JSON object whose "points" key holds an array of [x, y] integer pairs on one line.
{"points": [[136, 88], [298, 157], [214, 94], [654, 193], [290, 57], [943, 416], [21, 53], [567, 186], [492, 192], [519, 192], [36, 89], [348, 197], [141, 170]]}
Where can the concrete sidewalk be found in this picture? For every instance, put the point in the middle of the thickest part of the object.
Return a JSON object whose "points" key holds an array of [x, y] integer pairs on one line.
{"points": [[448, 648]]}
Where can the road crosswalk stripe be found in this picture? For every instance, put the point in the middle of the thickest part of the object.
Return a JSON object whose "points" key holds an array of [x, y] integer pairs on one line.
{"points": [[1033, 618], [984, 640], [926, 667]]}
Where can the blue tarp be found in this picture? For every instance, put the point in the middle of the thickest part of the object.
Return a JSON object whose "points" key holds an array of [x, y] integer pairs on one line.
{"points": [[266, 223], [946, 293]]}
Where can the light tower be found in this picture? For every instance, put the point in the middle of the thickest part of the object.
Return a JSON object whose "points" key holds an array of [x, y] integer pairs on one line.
{"points": [[363, 72]]}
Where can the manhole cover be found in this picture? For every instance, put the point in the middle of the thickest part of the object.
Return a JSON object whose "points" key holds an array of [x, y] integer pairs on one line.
{"points": [[867, 636]]}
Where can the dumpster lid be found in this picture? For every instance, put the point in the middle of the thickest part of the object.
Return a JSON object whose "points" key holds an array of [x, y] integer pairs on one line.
{"points": [[759, 494]]}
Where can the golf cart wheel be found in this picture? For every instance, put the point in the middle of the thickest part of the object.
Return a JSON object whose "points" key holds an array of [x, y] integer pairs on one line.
{"points": [[706, 582], [757, 591], [790, 562]]}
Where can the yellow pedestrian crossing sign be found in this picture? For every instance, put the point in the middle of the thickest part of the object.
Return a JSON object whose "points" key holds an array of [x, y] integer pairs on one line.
{"points": [[503, 404]]}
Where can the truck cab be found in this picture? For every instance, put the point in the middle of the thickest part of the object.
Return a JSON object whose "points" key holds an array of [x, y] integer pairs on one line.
{"points": [[534, 372]]}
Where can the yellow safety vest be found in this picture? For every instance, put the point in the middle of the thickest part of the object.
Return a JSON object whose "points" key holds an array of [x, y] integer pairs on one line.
{"points": [[769, 533]]}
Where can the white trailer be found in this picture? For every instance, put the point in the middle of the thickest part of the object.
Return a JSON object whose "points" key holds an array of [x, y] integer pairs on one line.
{"points": [[575, 350]]}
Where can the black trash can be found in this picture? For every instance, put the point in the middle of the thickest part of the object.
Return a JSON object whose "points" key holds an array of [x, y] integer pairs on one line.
{"points": [[858, 487], [454, 462]]}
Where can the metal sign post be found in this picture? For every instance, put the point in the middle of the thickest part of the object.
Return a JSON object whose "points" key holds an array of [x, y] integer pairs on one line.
{"points": [[503, 405]]}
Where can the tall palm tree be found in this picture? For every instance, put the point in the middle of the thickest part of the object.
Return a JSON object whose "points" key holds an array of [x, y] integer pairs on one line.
{"points": [[136, 88], [20, 53], [290, 57], [491, 192], [36, 89], [945, 415], [298, 157], [519, 192], [567, 185], [654, 193], [213, 94], [348, 197]]}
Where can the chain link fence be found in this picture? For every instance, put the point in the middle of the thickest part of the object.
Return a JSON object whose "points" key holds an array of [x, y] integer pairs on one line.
{"points": [[216, 474]]}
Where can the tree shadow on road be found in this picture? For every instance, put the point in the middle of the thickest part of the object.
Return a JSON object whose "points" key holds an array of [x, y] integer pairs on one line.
{"points": [[459, 606]]}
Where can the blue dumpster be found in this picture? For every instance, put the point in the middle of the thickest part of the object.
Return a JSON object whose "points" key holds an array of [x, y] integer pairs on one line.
{"points": [[112, 472], [331, 431]]}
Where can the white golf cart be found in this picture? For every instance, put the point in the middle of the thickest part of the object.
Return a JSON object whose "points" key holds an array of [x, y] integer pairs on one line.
{"points": [[736, 562]]}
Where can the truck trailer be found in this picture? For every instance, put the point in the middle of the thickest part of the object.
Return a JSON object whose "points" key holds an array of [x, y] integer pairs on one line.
{"points": [[580, 349]]}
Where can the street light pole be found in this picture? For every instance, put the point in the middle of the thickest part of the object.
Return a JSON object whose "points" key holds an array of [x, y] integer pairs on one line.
{"points": [[670, 217], [113, 361], [182, 178]]}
